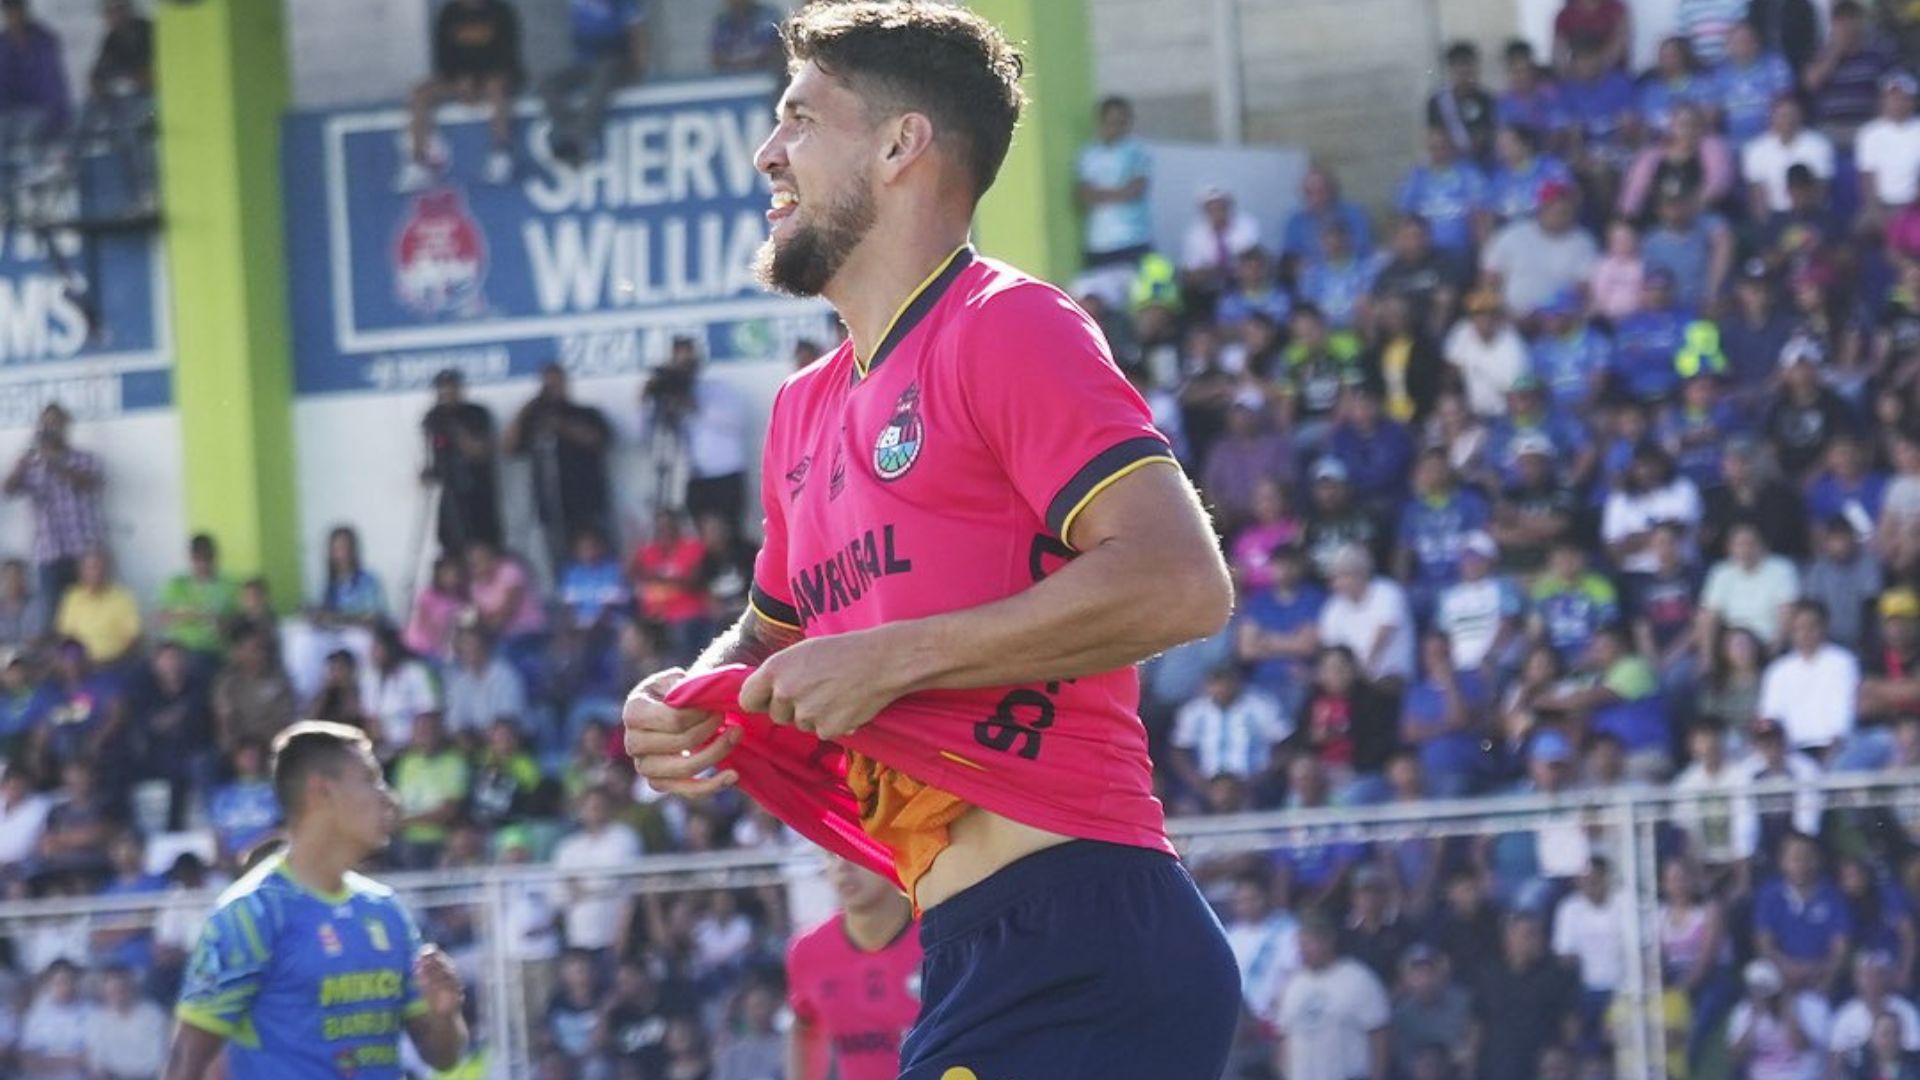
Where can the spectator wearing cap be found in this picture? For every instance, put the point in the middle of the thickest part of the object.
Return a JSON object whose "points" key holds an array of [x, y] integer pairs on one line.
{"points": [[1521, 1001], [1218, 233], [1339, 279], [1333, 1013], [1488, 353], [1250, 451], [1336, 520], [1874, 979], [1688, 160], [1800, 920], [1523, 170], [1368, 614], [1111, 177], [1652, 493], [1890, 675], [1377, 452], [1777, 1032], [1569, 357], [1570, 602], [1277, 628], [1434, 523], [1532, 259], [1481, 614], [1748, 85], [1805, 415], [1844, 77], [1431, 1009], [1230, 728], [1887, 150], [1463, 108], [1321, 205], [1754, 329], [1451, 194], [1695, 247], [1646, 341], [1441, 717], [1766, 158], [1319, 363], [1845, 578]]}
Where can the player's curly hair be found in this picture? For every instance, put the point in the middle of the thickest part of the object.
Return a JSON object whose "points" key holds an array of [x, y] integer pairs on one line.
{"points": [[920, 56]]}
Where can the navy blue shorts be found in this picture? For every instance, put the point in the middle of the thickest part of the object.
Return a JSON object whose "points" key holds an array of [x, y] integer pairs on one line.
{"points": [[1086, 961]]}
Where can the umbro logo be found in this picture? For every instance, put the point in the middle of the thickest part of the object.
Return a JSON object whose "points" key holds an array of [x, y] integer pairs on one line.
{"points": [[797, 476]]}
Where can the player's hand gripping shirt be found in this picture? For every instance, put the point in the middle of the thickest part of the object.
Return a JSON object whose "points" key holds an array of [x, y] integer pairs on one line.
{"points": [[863, 1002], [304, 986], [946, 473]]}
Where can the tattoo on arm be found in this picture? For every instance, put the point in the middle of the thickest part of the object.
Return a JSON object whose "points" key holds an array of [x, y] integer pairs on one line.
{"points": [[749, 641]]}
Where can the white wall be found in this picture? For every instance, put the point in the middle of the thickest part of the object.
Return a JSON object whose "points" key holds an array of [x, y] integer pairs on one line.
{"points": [[358, 458], [143, 501]]}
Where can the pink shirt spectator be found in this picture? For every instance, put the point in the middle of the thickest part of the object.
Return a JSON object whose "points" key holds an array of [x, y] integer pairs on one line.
{"points": [[1253, 551], [490, 596], [1903, 232], [1615, 285], [1716, 176], [429, 629]]}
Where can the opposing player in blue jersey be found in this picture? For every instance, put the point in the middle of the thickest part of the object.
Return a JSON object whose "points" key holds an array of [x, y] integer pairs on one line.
{"points": [[306, 969]]}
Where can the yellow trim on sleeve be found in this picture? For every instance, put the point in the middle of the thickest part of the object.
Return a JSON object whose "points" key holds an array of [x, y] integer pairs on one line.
{"points": [[1066, 523], [861, 365], [951, 756], [241, 1032], [766, 618]]}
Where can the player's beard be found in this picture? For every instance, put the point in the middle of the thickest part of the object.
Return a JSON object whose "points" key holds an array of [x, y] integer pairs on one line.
{"points": [[809, 259]]}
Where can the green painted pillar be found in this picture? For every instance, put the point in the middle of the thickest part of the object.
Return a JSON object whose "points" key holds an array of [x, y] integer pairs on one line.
{"points": [[1029, 218], [223, 85]]}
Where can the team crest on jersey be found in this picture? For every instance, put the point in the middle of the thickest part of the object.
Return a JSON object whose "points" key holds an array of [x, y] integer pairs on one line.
{"points": [[898, 446], [377, 935], [330, 940]]}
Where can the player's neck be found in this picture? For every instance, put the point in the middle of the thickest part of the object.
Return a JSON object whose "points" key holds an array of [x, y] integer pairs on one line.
{"points": [[316, 865], [873, 929], [883, 274]]}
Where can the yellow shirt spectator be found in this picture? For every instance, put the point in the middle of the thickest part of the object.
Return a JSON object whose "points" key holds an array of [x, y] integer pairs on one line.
{"points": [[104, 619]]}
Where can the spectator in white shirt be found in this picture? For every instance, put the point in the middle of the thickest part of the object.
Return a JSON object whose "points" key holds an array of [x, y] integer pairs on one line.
{"points": [[1888, 150], [1488, 353], [1787, 142], [1713, 785], [1533, 259], [1749, 590], [1265, 939], [23, 819], [1775, 1035], [1230, 728], [1653, 494], [1333, 1013], [53, 1037], [1873, 984], [396, 687], [593, 915], [1812, 689], [1214, 240], [1590, 929], [126, 1034], [1368, 615], [1772, 763]]}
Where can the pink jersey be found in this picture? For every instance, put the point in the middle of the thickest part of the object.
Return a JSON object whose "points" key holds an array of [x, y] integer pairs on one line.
{"points": [[945, 474], [862, 1002]]}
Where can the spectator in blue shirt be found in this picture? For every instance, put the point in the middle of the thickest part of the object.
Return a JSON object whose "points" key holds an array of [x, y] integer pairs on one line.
{"points": [[1321, 205], [1571, 603], [1434, 526], [746, 37], [1849, 488], [1443, 715], [1277, 629], [1748, 84], [1567, 441], [1531, 99], [1754, 331], [593, 587], [1800, 920], [1695, 249], [1675, 80], [1111, 178], [1339, 280], [1522, 171], [244, 811], [1451, 194], [1377, 452], [1256, 291], [1596, 110], [609, 40], [1696, 427], [1646, 341], [1569, 357]]}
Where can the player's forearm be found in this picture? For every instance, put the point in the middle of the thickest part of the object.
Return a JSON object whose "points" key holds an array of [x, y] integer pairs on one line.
{"points": [[441, 1040], [803, 1052], [1119, 603], [193, 1051]]}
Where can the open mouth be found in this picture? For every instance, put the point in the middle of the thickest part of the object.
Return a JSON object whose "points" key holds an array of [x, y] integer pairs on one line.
{"points": [[783, 205]]}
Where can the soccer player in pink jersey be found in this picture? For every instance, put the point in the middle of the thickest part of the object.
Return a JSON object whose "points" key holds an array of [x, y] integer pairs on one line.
{"points": [[854, 982], [973, 531]]}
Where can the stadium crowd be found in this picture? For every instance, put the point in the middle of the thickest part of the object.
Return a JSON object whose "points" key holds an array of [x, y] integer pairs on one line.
{"points": [[1600, 467]]}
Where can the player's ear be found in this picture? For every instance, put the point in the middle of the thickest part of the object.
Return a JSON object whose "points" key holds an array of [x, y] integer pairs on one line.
{"points": [[910, 136]]}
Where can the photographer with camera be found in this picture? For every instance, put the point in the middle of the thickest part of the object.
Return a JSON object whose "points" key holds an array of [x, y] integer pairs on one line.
{"points": [[64, 486], [461, 458], [704, 421], [566, 443]]}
